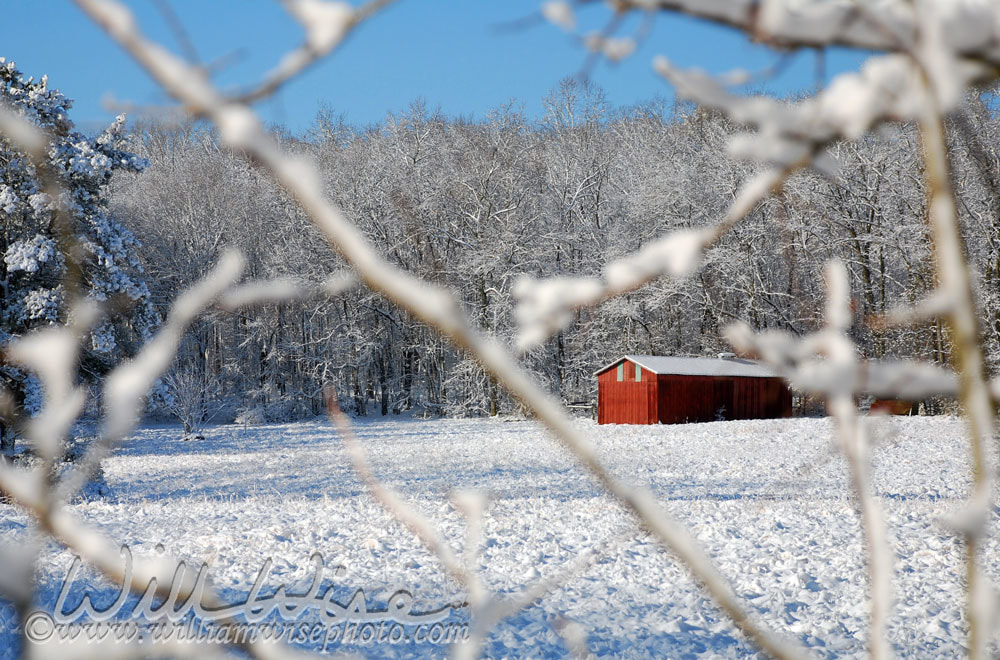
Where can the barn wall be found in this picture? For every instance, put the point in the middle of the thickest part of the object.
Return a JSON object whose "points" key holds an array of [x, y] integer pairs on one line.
{"points": [[761, 398], [626, 402], [710, 398], [688, 398]]}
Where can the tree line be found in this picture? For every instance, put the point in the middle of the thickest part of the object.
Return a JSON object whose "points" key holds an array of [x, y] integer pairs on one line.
{"points": [[475, 204]]}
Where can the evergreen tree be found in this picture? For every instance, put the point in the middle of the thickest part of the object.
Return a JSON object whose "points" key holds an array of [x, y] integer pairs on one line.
{"points": [[45, 255]]}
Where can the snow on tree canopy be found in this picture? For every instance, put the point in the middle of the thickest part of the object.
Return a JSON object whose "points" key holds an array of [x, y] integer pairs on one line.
{"points": [[33, 259]]}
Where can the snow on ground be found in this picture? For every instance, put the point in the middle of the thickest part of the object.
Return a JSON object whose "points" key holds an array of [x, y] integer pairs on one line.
{"points": [[768, 499]]}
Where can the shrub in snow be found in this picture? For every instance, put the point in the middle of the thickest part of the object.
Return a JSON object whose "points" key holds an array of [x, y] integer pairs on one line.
{"points": [[73, 453], [192, 401], [268, 403], [56, 236], [250, 416]]}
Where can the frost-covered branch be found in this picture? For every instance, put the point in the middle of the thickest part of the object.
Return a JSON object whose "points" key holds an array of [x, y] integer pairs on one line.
{"points": [[826, 363], [422, 528], [840, 352], [23, 134], [488, 609], [800, 362], [51, 353], [327, 23], [890, 26], [545, 306], [284, 290], [954, 279]]}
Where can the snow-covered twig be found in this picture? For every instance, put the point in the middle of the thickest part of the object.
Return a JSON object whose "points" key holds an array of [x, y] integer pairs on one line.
{"points": [[953, 275], [545, 306], [283, 290], [327, 23], [50, 353], [472, 504], [422, 528], [487, 609], [890, 25], [937, 304], [854, 442], [575, 637], [839, 376], [491, 613], [23, 134], [796, 360]]}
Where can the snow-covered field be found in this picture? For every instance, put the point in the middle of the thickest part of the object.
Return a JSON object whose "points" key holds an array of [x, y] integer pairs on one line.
{"points": [[767, 499]]}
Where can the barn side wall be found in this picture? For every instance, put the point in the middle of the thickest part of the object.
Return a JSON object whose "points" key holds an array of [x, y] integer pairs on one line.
{"points": [[688, 398], [626, 402], [709, 398]]}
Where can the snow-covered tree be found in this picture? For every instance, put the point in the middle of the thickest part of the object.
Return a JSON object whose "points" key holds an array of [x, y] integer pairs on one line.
{"points": [[57, 239], [475, 204]]}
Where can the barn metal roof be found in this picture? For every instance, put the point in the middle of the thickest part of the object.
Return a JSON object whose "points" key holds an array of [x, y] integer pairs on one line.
{"points": [[696, 366]]}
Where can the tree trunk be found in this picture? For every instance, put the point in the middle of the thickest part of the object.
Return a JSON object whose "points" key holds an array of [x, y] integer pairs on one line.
{"points": [[408, 364], [382, 386], [6, 439]]}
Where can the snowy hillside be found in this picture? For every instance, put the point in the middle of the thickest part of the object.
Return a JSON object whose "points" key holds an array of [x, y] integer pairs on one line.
{"points": [[768, 500]]}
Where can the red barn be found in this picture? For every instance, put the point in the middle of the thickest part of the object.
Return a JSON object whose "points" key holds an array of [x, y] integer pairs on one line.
{"points": [[646, 389]]}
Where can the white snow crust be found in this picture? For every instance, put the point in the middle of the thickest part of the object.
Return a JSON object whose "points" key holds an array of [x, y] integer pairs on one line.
{"points": [[768, 499]]}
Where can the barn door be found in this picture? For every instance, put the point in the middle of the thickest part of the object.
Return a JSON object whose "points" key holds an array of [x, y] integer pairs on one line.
{"points": [[723, 399]]}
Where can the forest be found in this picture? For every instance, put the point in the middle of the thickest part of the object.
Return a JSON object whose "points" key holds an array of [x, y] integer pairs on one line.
{"points": [[475, 205], [478, 206]]}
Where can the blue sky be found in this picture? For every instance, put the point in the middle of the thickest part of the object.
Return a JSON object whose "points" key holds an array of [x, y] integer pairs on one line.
{"points": [[451, 53]]}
